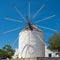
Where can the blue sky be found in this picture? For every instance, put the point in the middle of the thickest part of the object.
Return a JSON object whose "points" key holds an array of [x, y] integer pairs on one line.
{"points": [[7, 10]]}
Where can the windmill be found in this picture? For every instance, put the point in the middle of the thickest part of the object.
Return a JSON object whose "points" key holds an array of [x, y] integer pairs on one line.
{"points": [[31, 40]]}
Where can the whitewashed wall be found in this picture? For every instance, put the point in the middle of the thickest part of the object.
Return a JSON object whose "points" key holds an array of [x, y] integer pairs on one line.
{"points": [[47, 52], [31, 44]]}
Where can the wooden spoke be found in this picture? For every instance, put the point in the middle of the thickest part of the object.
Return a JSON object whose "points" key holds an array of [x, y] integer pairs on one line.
{"points": [[20, 13], [12, 30], [47, 28], [38, 11], [10, 19], [45, 18]]}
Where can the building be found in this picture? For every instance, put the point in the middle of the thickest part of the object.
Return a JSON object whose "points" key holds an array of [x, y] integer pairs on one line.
{"points": [[48, 53], [31, 44]]}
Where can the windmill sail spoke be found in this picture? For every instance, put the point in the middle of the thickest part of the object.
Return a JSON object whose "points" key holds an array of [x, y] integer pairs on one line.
{"points": [[38, 11], [47, 28], [11, 30], [29, 10], [45, 18], [13, 20], [15, 42], [20, 13]]}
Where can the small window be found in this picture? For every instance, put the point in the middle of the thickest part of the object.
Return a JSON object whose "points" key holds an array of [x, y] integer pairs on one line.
{"points": [[49, 55]]}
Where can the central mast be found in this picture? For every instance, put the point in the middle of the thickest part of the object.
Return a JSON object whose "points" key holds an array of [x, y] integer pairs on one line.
{"points": [[29, 24]]}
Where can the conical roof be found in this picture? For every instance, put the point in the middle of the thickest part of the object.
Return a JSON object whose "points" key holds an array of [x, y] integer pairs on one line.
{"points": [[32, 28]]}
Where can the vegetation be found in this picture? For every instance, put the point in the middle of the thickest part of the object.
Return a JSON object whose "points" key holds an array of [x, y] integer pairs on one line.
{"points": [[54, 42], [6, 52]]}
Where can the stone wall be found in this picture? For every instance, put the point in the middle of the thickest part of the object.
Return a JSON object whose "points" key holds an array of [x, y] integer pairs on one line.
{"points": [[39, 58]]}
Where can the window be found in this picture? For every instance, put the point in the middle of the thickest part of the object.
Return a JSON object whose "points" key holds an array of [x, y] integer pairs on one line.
{"points": [[49, 55]]}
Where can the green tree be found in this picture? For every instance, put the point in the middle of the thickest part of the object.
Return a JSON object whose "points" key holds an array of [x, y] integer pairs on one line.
{"points": [[54, 42], [6, 52], [2, 54]]}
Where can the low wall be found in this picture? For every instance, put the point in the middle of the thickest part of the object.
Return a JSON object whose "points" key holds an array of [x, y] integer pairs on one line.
{"points": [[40, 58]]}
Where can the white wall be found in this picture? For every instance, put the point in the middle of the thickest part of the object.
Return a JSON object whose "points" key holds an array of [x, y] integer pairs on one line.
{"points": [[16, 54], [47, 52], [31, 44]]}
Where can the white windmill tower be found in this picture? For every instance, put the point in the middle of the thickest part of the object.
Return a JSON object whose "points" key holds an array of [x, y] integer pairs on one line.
{"points": [[31, 42], [31, 39]]}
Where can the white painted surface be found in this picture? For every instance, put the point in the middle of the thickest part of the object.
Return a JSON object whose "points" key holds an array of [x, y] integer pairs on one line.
{"points": [[16, 54], [31, 44], [47, 52]]}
